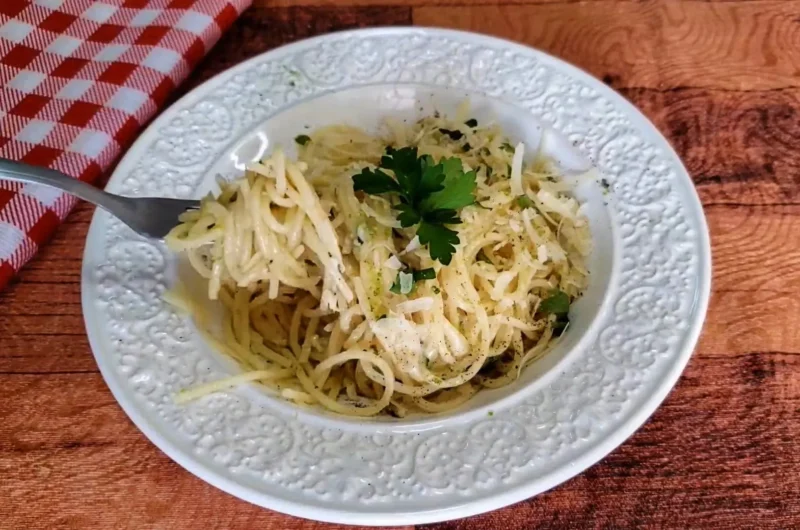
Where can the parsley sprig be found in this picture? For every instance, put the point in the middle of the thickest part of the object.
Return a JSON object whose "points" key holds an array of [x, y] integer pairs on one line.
{"points": [[430, 195], [557, 304]]}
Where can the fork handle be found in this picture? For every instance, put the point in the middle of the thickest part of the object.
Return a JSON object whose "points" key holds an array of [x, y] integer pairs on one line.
{"points": [[21, 172]]}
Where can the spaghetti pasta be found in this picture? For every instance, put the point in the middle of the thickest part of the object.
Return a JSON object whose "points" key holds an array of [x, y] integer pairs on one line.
{"points": [[311, 274]]}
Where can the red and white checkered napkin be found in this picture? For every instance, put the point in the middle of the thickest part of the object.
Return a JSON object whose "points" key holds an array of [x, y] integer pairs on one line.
{"points": [[78, 78]]}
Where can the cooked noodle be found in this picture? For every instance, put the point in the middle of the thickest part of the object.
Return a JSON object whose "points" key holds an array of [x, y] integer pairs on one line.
{"points": [[303, 266]]}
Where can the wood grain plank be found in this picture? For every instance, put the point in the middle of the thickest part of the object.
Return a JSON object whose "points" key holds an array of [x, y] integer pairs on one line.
{"points": [[656, 44], [755, 248], [70, 458], [744, 322], [739, 147], [722, 448], [756, 280], [40, 311], [752, 303], [85, 413]]}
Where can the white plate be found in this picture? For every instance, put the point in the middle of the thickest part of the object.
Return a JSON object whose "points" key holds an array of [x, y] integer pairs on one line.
{"points": [[573, 410]]}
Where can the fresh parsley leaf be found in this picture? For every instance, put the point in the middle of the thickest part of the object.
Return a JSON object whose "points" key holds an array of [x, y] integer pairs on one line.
{"points": [[375, 182], [442, 217], [424, 274], [557, 303], [441, 241], [451, 168], [403, 162], [430, 194], [408, 216], [432, 178], [523, 201], [453, 134], [302, 139], [459, 188], [471, 123]]}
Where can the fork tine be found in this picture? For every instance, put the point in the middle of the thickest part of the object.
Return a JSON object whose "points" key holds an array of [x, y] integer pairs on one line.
{"points": [[179, 203], [154, 216]]}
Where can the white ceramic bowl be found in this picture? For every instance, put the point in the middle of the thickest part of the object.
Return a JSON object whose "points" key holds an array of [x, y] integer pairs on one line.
{"points": [[367, 107], [583, 401]]}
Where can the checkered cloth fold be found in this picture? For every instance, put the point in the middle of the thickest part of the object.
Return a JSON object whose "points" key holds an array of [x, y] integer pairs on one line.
{"points": [[78, 79]]}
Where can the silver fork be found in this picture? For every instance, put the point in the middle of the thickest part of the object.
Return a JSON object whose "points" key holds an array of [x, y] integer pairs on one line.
{"points": [[149, 216]]}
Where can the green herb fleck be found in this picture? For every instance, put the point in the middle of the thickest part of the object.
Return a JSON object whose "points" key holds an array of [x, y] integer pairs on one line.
{"points": [[424, 274], [302, 139], [466, 147], [556, 304], [523, 201], [471, 123], [491, 413], [436, 290], [507, 147]]}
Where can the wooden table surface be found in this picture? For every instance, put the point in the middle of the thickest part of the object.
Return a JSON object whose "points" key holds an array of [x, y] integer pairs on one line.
{"points": [[721, 79]]}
